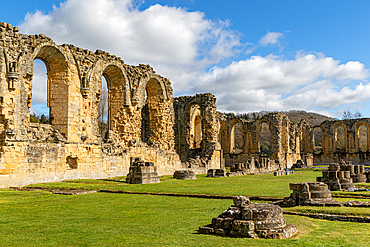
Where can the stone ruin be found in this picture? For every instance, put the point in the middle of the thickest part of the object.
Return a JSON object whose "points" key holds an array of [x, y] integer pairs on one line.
{"points": [[145, 120], [251, 220], [284, 173], [301, 164], [185, 175], [215, 173], [343, 177], [142, 172], [250, 167], [309, 194]]}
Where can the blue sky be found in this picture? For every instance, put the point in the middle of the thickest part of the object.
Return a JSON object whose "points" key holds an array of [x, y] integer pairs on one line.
{"points": [[253, 55]]}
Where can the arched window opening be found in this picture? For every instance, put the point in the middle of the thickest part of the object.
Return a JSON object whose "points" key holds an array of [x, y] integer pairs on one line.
{"points": [[195, 137], [236, 139], [145, 120], [284, 136], [153, 123], [362, 139], [111, 100], [40, 111], [340, 143], [57, 85], [103, 112], [198, 131], [265, 140], [317, 135], [304, 141]]}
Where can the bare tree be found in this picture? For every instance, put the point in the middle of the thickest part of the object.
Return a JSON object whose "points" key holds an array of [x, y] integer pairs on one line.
{"points": [[349, 115], [103, 114]]}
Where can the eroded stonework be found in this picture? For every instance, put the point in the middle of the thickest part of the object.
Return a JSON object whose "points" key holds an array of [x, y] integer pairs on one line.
{"points": [[141, 113], [144, 120]]}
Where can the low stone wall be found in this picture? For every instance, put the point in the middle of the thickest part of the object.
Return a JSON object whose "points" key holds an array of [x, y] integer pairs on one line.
{"points": [[357, 219], [25, 163]]}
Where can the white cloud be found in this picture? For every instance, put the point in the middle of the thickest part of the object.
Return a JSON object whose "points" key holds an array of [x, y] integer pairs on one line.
{"points": [[181, 45], [177, 43], [271, 38], [308, 82], [39, 89]]}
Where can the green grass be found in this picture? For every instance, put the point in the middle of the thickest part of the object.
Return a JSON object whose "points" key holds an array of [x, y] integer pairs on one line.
{"points": [[250, 185], [43, 219]]}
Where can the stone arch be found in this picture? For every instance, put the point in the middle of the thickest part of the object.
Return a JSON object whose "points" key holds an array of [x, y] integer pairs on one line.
{"points": [[160, 90], [340, 143], [58, 73], [116, 92], [232, 138], [318, 140], [364, 147], [155, 112], [305, 139], [285, 140], [195, 124], [267, 144]]}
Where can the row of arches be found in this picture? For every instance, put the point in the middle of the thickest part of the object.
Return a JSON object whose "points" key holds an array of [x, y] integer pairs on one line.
{"points": [[107, 82], [341, 138]]}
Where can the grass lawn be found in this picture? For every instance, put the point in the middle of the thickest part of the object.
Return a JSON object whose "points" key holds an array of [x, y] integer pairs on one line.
{"points": [[250, 185], [40, 218]]}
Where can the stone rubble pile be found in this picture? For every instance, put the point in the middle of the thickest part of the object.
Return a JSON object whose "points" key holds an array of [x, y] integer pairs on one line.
{"points": [[184, 174], [251, 220]]}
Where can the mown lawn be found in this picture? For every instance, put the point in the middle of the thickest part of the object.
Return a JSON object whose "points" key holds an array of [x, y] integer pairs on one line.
{"points": [[40, 218], [250, 185]]}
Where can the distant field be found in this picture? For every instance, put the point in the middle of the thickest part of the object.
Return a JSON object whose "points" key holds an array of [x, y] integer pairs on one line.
{"points": [[40, 218]]}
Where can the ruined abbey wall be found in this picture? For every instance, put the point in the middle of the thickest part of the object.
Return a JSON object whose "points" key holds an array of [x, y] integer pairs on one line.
{"points": [[289, 141], [342, 139], [71, 147], [144, 120], [196, 131]]}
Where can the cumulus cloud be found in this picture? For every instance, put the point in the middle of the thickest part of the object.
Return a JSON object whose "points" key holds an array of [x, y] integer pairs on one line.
{"points": [[183, 45], [308, 82], [179, 44], [271, 38]]}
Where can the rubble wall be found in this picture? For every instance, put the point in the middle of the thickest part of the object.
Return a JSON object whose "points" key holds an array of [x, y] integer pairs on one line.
{"points": [[196, 132], [286, 139], [332, 148], [74, 78]]}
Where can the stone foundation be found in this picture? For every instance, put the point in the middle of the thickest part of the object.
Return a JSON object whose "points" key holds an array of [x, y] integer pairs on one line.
{"points": [[342, 177], [142, 172], [309, 193], [215, 173], [185, 175], [251, 220], [264, 165]]}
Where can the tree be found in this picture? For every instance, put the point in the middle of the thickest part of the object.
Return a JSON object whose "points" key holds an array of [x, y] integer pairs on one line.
{"points": [[44, 119], [34, 118], [103, 114], [349, 115]]}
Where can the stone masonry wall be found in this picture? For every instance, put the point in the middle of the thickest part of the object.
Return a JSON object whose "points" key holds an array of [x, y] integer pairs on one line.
{"points": [[286, 138], [74, 92]]}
